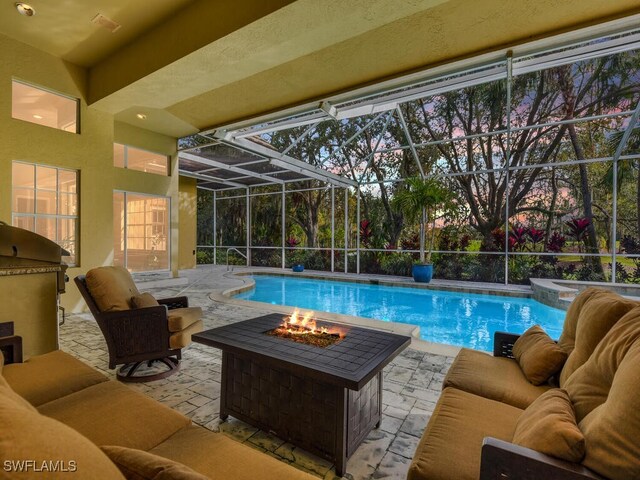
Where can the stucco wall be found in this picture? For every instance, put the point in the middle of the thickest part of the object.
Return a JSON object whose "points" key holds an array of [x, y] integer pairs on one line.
{"points": [[187, 224], [90, 152]]}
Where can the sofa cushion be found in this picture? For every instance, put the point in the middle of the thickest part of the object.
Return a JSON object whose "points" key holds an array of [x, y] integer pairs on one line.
{"points": [[27, 435], [111, 288], [549, 426], [605, 392], [139, 465], [46, 377], [182, 338], [451, 445], [111, 413], [538, 355], [221, 458], [495, 378], [1, 361], [595, 319], [567, 338], [181, 318], [8, 393], [144, 300]]}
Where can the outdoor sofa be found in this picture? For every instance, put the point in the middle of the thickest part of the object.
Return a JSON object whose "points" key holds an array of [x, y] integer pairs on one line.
{"points": [[56, 413], [492, 422]]}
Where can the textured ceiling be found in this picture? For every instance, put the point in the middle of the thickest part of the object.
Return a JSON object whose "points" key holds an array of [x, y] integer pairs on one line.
{"points": [[190, 65]]}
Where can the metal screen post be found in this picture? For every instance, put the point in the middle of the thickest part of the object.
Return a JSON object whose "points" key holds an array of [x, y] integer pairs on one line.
{"points": [[358, 231], [215, 233], [333, 227], [248, 225], [507, 161], [283, 229], [346, 230]]}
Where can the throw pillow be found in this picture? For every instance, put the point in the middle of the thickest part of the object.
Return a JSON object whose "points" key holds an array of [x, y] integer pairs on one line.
{"points": [[140, 465], [538, 355], [144, 300], [549, 426], [35, 446]]}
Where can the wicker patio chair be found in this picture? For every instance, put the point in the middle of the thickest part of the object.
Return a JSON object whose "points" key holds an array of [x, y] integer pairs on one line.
{"points": [[137, 335]]}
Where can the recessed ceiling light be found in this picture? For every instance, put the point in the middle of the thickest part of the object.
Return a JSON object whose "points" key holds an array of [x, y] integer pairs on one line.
{"points": [[25, 9], [39, 117], [141, 116]]}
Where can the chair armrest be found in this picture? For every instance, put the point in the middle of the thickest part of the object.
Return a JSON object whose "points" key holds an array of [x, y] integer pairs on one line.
{"points": [[502, 460], [11, 347], [503, 344], [174, 302], [136, 331]]}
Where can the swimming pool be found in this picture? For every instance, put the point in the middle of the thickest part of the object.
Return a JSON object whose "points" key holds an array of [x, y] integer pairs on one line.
{"points": [[462, 319]]}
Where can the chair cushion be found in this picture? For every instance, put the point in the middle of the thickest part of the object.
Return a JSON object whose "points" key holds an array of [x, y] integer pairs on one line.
{"points": [[549, 426], [605, 392], [182, 338], [181, 318], [27, 435], [1, 361], [46, 377], [538, 355], [495, 378], [567, 339], [598, 314], [111, 288], [451, 445], [144, 300], [110, 413], [221, 458], [140, 465]]}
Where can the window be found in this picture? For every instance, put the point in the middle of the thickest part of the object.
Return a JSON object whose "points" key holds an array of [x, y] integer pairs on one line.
{"points": [[141, 231], [36, 105], [125, 156], [45, 201]]}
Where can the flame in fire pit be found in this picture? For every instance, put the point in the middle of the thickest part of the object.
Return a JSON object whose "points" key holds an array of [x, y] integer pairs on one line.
{"points": [[306, 330]]}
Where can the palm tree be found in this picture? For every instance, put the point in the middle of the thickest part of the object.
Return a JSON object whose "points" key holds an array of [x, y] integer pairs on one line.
{"points": [[420, 200]]}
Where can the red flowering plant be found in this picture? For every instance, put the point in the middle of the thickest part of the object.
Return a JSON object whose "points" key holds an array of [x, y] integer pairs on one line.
{"points": [[556, 242], [536, 236], [292, 242], [366, 233]]}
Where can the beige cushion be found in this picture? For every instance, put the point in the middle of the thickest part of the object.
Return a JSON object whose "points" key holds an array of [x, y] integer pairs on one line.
{"points": [[538, 355], [597, 316], [46, 377], [27, 435], [182, 338], [7, 392], [1, 361], [605, 392], [567, 339], [110, 413], [181, 318], [451, 445], [140, 465], [144, 300], [549, 426], [495, 378], [221, 458], [111, 288]]}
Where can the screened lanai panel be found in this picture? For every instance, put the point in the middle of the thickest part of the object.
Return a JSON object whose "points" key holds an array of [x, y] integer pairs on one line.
{"points": [[211, 185], [192, 166], [226, 154]]}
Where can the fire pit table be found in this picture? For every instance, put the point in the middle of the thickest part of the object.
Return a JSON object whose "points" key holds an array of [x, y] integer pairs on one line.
{"points": [[323, 399]]}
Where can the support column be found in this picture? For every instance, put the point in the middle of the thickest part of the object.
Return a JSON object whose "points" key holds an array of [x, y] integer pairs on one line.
{"points": [[346, 230], [333, 227], [248, 225], [215, 226], [358, 230], [284, 226]]}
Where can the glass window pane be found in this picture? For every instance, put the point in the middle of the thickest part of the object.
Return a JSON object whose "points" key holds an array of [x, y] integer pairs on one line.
{"points": [[34, 105], [46, 227], [118, 155], [23, 200], [67, 181], [46, 178], [118, 229], [46, 202], [23, 175], [68, 204], [147, 226], [67, 237], [146, 161], [24, 222]]}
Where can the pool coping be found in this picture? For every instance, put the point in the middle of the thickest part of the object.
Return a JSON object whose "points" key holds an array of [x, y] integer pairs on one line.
{"points": [[225, 296]]}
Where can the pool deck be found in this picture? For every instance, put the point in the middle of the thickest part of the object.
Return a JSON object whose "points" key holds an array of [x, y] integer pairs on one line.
{"points": [[412, 382]]}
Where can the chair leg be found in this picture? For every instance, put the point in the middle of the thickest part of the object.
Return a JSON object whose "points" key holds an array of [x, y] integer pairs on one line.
{"points": [[126, 372]]}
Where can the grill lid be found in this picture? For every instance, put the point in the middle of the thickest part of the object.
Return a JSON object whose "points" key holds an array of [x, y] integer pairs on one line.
{"points": [[24, 244]]}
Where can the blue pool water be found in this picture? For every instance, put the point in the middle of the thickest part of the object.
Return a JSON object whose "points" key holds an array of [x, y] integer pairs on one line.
{"points": [[463, 319]]}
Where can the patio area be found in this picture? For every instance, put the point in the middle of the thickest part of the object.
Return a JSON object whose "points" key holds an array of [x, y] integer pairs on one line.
{"points": [[412, 384]]}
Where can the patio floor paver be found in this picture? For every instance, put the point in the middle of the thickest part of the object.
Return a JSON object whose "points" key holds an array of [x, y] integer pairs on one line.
{"points": [[413, 381]]}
